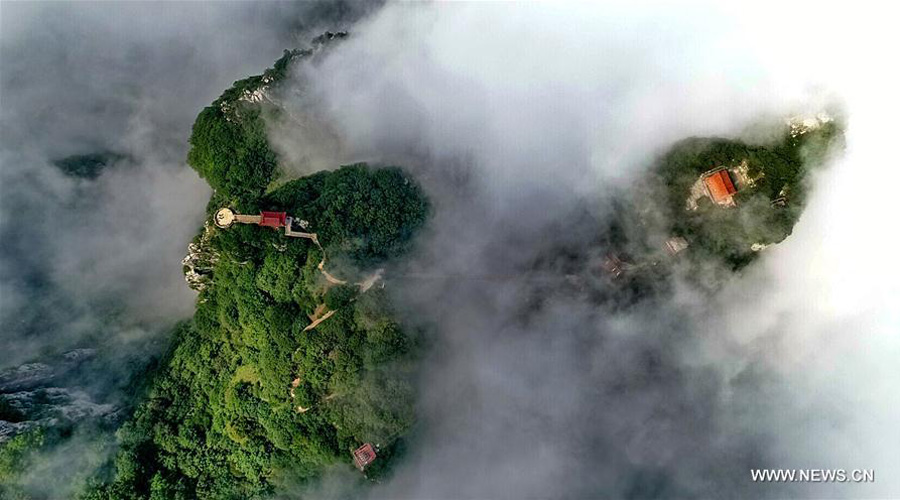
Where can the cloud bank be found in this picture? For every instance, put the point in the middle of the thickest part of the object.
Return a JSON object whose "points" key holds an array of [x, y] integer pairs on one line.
{"points": [[94, 263], [521, 120], [128, 78]]}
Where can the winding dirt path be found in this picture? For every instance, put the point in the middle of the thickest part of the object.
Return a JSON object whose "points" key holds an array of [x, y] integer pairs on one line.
{"points": [[331, 279], [316, 322], [364, 286]]}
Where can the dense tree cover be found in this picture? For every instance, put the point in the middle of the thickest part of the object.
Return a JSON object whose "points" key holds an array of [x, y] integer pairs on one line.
{"points": [[356, 211], [53, 461], [232, 155], [228, 142], [223, 418], [246, 399], [15, 456], [780, 170]]}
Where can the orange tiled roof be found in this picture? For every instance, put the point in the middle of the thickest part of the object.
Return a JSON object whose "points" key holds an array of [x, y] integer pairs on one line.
{"points": [[720, 186]]}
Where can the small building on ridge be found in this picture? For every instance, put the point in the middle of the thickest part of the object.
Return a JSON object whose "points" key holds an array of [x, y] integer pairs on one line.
{"points": [[363, 456], [676, 244], [273, 219], [720, 187]]}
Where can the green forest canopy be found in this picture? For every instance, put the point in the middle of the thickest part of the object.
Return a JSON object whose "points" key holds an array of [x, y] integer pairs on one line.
{"points": [[245, 398], [781, 171]]}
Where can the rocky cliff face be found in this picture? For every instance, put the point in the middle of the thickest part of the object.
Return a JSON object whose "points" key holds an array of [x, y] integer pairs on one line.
{"points": [[251, 93], [37, 395], [198, 264]]}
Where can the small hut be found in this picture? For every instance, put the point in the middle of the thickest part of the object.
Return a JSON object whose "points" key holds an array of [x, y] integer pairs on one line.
{"points": [[676, 244], [613, 265], [363, 456]]}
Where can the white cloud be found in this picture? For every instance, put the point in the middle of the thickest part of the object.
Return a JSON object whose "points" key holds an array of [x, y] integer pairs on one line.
{"points": [[545, 103]]}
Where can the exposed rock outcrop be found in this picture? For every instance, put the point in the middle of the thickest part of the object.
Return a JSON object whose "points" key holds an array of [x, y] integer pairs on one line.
{"points": [[35, 395], [198, 264]]}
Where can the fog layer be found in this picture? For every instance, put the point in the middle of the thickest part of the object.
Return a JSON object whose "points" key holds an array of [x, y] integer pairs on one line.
{"points": [[521, 120]]}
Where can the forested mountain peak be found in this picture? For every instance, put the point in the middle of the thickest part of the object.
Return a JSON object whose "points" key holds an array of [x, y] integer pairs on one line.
{"points": [[286, 366]]}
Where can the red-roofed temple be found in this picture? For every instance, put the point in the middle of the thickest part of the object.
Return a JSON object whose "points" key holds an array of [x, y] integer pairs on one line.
{"points": [[720, 187]]}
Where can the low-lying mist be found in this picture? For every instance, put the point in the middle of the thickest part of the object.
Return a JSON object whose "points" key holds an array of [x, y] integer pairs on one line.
{"points": [[523, 121], [90, 265]]}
